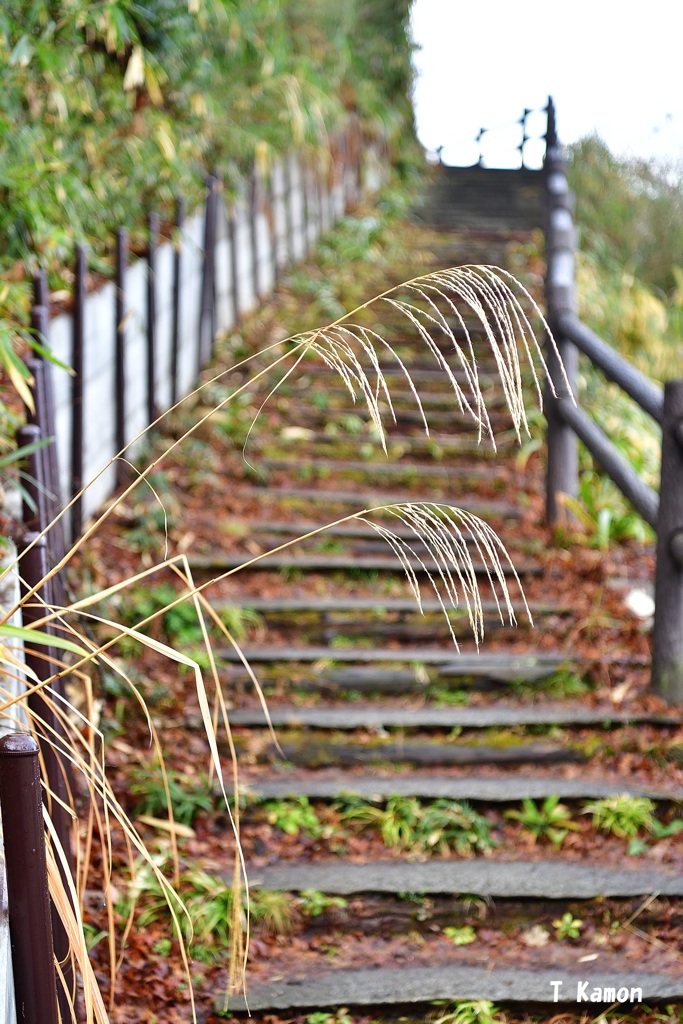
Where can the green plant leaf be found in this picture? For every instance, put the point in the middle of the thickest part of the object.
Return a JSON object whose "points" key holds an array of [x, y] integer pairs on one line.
{"points": [[36, 636]]}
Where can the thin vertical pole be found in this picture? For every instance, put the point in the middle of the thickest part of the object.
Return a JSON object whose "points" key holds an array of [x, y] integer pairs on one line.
{"points": [[34, 513], [667, 633], [562, 466], [77, 391], [177, 277], [33, 570], [320, 199], [359, 162], [330, 185], [551, 129], [272, 224], [43, 413], [46, 466], [152, 246], [234, 263], [27, 888], [120, 373], [213, 244], [253, 225], [306, 207], [525, 137], [41, 295], [289, 212], [204, 339]]}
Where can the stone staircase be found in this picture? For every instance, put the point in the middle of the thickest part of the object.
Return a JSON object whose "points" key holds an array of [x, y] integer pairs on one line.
{"points": [[375, 721]]}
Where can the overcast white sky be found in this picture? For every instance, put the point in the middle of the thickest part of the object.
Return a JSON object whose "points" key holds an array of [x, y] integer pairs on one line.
{"points": [[616, 69]]}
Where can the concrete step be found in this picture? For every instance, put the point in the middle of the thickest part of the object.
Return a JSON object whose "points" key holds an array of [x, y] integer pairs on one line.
{"points": [[390, 986], [504, 879], [496, 787]]}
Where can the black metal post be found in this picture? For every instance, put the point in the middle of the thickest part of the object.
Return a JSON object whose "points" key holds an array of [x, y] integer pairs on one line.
{"points": [[289, 212], [77, 391], [320, 198], [27, 888], [253, 227], [234, 263], [272, 226], [152, 246], [525, 137], [58, 777], [551, 129], [43, 413], [306, 211], [667, 635], [34, 513], [205, 336], [213, 244], [329, 183], [120, 374], [46, 465], [177, 271], [41, 295]]}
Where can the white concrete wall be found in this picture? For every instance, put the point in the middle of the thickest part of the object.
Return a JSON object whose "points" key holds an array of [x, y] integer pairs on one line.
{"points": [[293, 209]]}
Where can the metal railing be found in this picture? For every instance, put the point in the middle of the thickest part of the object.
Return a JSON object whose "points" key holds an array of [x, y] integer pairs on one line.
{"points": [[568, 423], [526, 135], [38, 937]]}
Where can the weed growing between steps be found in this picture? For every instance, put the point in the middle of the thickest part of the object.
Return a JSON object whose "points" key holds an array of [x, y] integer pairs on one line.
{"points": [[135, 616]]}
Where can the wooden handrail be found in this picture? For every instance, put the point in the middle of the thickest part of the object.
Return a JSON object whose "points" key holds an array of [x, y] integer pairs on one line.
{"points": [[566, 422]]}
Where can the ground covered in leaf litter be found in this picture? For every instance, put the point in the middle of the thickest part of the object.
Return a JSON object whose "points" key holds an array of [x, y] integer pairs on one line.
{"points": [[200, 488]]}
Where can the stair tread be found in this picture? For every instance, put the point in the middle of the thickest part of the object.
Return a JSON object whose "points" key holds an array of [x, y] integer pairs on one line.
{"points": [[379, 603], [440, 717], [321, 562], [373, 986], [502, 665], [507, 879], [497, 788], [375, 499]]}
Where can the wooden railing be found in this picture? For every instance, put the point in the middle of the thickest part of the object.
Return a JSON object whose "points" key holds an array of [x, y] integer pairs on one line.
{"points": [[568, 422]]}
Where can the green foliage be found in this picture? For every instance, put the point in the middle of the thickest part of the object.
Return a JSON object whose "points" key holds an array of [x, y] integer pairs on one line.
{"points": [[187, 798], [568, 927], [622, 815], [476, 1011], [108, 110], [560, 685], [314, 903], [340, 1016], [600, 508], [178, 625], [549, 820], [461, 936], [272, 911], [630, 212], [209, 903], [630, 271], [294, 816], [404, 822]]}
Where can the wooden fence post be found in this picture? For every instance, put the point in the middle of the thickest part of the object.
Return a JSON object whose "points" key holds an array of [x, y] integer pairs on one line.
{"points": [[667, 636], [562, 467]]}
